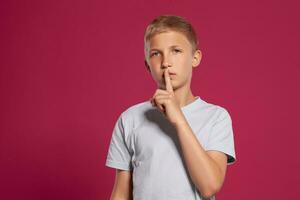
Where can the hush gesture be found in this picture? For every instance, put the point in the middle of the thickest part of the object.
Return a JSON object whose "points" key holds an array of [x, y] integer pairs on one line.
{"points": [[166, 101]]}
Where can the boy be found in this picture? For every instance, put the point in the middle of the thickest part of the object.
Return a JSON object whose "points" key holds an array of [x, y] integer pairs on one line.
{"points": [[175, 146]]}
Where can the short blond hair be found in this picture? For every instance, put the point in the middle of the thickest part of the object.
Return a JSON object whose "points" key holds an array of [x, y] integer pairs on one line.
{"points": [[164, 23]]}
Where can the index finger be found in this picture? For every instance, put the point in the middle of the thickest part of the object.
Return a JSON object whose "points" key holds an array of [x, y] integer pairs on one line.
{"points": [[169, 87]]}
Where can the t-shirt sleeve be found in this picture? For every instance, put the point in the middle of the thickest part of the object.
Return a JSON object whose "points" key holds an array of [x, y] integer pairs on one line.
{"points": [[119, 156], [221, 137]]}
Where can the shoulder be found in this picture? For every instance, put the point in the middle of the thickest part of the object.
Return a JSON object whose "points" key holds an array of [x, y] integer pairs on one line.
{"points": [[217, 111], [136, 109], [135, 114]]}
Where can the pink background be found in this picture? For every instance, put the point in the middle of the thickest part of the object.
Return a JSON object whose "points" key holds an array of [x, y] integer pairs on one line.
{"points": [[69, 68]]}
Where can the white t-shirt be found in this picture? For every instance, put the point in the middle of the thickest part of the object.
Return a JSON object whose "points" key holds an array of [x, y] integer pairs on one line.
{"points": [[144, 141]]}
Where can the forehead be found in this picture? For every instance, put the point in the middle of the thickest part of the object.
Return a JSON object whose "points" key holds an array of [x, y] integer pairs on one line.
{"points": [[169, 38]]}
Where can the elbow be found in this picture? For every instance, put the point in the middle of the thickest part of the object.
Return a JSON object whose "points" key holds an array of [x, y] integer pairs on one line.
{"points": [[210, 191], [119, 198], [208, 194]]}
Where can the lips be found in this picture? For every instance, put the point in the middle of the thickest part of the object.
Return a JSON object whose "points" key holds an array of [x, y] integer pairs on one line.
{"points": [[170, 73]]}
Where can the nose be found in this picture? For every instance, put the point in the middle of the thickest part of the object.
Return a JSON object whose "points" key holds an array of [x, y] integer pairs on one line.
{"points": [[165, 62]]}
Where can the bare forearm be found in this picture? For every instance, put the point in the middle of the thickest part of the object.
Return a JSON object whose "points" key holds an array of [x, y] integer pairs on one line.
{"points": [[120, 197], [112, 198], [203, 170]]}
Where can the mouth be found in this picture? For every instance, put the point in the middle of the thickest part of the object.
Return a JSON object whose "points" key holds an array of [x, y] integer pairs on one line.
{"points": [[170, 73]]}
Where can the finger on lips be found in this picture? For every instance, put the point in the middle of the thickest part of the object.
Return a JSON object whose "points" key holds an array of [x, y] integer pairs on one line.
{"points": [[162, 93], [169, 87]]}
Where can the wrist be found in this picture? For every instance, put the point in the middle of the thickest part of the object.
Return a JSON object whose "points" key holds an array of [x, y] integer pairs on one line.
{"points": [[182, 122]]}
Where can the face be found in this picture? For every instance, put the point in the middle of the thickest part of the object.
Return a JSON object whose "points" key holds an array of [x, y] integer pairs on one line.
{"points": [[172, 50]]}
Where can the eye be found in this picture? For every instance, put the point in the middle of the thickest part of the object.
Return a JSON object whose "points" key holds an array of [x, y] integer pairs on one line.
{"points": [[176, 50], [154, 54]]}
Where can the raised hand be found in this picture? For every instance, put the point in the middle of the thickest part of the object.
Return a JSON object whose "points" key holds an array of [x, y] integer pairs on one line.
{"points": [[166, 102]]}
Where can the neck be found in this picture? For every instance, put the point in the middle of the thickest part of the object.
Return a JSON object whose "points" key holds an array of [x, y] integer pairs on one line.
{"points": [[184, 95]]}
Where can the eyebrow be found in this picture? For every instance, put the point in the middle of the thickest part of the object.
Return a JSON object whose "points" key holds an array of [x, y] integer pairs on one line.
{"points": [[170, 47]]}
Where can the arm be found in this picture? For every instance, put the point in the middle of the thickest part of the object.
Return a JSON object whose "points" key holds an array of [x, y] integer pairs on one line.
{"points": [[122, 189], [206, 168]]}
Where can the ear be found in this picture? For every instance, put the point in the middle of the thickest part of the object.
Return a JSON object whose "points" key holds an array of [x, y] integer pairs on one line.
{"points": [[197, 58]]}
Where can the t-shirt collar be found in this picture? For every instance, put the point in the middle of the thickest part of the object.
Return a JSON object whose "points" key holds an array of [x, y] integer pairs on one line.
{"points": [[192, 105]]}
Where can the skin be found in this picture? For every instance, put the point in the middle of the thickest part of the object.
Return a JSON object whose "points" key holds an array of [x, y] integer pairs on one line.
{"points": [[171, 51], [179, 59], [122, 189]]}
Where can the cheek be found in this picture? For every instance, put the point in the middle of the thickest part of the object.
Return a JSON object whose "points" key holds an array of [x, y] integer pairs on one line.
{"points": [[185, 67], [155, 66], [155, 61], [155, 72], [152, 64]]}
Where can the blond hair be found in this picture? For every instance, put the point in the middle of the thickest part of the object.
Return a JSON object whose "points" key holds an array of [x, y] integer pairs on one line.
{"points": [[164, 23]]}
